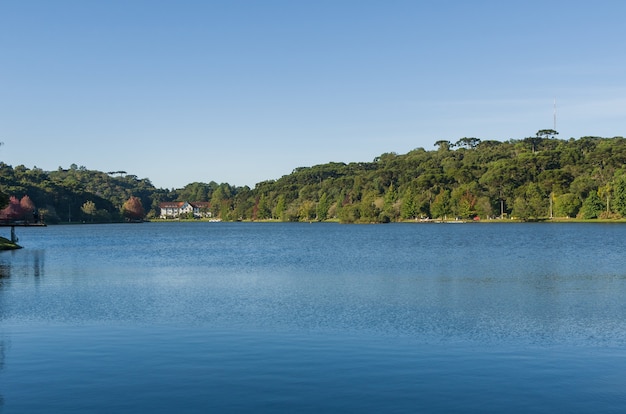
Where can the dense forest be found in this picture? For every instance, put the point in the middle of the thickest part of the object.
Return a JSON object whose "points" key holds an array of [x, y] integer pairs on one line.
{"points": [[529, 179]]}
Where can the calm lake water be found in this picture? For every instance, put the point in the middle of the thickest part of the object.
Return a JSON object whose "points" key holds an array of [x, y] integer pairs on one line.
{"points": [[314, 318]]}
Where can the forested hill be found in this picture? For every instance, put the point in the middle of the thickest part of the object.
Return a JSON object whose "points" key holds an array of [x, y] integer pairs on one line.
{"points": [[532, 178]]}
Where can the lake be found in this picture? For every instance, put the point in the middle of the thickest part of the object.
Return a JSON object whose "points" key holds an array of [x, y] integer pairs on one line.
{"points": [[310, 318]]}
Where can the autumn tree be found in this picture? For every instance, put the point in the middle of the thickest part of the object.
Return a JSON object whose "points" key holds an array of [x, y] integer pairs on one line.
{"points": [[13, 211], [27, 203], [133, 209], [28, 208]]}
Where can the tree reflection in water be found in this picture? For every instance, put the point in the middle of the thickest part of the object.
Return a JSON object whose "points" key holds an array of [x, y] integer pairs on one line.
{"points": [[5, 273]]}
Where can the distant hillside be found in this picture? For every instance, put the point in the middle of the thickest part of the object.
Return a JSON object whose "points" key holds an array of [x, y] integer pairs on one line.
{"points": [[532, 178]]}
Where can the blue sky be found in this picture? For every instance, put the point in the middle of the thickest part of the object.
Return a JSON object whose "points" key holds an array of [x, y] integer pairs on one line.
{"points": [[246, 91]]}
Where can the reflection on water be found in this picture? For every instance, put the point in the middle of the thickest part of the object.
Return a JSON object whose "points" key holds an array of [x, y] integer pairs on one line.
{"points": [[2, 346], [38, 264], [346, 318], [533, 284], [5, 273], [24, 263]]}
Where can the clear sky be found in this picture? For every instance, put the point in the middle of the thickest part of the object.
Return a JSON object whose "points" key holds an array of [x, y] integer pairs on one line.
{"points": [[246, 91]]}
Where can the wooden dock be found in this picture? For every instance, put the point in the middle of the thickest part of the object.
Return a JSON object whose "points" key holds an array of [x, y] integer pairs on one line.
{"points": [[14, 224]]}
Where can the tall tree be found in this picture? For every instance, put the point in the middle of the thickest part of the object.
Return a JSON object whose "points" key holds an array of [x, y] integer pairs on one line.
{"points": [[216, 201], [469, 143], [263, 210], [443, 145], [279, 211], [620, 194], [407, 208], [322, 207], [440, 207]]}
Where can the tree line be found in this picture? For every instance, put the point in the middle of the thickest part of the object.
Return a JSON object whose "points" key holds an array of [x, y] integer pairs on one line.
{"points": [[529, 179]]}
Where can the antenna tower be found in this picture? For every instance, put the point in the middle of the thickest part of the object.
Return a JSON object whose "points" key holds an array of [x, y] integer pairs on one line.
{"points": [[554, 114]]}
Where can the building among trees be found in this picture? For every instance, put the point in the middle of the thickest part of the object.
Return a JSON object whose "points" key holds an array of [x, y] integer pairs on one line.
{"points": [[176, 209]]}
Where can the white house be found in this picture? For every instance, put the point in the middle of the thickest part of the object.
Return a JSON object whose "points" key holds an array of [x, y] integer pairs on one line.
{"points": [[174, 209]]}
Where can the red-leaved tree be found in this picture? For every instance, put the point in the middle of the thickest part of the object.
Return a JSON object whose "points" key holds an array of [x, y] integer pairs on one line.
{"points": [[13, 211], [133, 209], [28, 207]]}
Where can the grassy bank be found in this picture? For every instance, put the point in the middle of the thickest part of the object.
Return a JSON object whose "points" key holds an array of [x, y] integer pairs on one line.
{"points": [[6, 244]]}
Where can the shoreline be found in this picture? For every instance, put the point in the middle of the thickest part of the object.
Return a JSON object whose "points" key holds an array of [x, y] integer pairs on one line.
{"points": [[412, 221], [6, 244]]}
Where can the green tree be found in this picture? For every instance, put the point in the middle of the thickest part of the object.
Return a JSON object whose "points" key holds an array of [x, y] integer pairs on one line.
{"points": [[466, 205], [307, 210], [279, 211], [196, 192], [620, 194], [530, 203], [547, 133], [566, 205], [443, 145], [89, 208], [216, 202], [468, 143], [408, 210], [263, 211], [349, 213], [390, 208], [484, 207], [4, 200], [500, 180], [582, 186], [606, 192], [322, 207], [243, 204], [440, 208], [368, 212], [592, 207]]}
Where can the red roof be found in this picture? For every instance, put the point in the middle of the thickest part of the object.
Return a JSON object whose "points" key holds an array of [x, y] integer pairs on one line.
{"points": [[178, 204], [171, 204]]}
